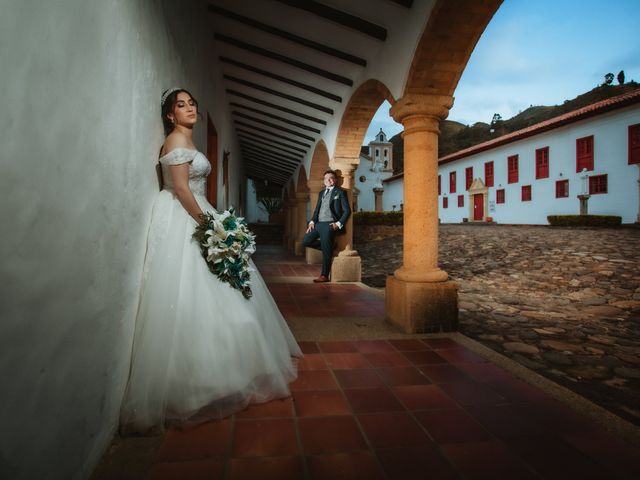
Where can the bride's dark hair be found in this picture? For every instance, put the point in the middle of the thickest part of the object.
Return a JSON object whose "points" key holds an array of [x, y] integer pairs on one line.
{"points": [[169, 104]]}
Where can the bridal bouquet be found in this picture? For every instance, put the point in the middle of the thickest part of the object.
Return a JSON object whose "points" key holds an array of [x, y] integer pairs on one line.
{"points": [[227, 244]]}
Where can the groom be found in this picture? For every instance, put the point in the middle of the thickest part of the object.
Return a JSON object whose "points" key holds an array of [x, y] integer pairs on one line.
{"points": [[331, 213]]}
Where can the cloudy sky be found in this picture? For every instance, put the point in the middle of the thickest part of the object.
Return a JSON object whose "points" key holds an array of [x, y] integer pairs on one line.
{"points": [[541, 52]]}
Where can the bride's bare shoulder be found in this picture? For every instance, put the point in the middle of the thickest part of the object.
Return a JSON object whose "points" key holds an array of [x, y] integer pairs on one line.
{"points": [[175, 140]]}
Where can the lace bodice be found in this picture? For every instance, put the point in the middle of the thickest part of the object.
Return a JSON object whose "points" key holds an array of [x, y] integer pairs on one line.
{"points": [[199, 168]]}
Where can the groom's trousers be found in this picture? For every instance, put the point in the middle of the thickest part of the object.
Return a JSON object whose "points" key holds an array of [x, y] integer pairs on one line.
{"points": [[322, 238]]}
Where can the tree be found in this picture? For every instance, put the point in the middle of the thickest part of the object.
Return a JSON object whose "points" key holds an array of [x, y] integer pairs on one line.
{"points": [[496, 118], [621, 77], [608, 78]]}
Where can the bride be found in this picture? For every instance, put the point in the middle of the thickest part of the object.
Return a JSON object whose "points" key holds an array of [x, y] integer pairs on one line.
{"points": [[201, 350]]}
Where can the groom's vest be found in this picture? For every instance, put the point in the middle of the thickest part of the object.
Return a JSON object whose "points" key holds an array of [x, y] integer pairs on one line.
{"points": [[325, 215]]}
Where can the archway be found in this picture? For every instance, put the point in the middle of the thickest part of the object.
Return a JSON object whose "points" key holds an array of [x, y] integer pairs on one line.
{"points": [[301, 201]]}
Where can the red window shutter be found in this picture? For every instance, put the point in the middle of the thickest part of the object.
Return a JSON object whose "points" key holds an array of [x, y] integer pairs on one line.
{"points": [[512, 167], [584, 153], [542, 163], [445, 202], [526, 193], [439, 186], [488, 174], [634, 144], [452, 182], [461, 200], [468, 173], [562, 188], [500, 196], [598, 184]]}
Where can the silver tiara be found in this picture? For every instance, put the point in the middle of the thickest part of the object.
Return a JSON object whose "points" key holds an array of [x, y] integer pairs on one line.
{"points": [[168, 92]]}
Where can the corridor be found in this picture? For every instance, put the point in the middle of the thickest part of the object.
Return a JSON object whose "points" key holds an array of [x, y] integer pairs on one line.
{"points": [[372, 403]]}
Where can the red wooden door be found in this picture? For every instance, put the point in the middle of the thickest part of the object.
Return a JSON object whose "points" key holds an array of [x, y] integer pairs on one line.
{"points": [[478, 206], [212, 155]]}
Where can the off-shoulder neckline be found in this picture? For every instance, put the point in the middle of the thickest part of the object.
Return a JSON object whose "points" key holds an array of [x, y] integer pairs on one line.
{"points": [[177, 149]]}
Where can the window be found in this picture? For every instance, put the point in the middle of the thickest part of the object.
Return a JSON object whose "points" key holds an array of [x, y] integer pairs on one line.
{"points": [[584, 153], [385, 153], [363, 178], [500, 196], [468, 177], [452, 182], [634, 144], [597, 184], [461, 200], [488, 174], [542, 163], [445, 202], [562, 188], [439, 186], [377, 152], [526, 193], [512, 167]]}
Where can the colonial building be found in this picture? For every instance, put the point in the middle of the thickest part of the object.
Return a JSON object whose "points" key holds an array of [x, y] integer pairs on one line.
{"points": [[376, 165], [522, 177]]}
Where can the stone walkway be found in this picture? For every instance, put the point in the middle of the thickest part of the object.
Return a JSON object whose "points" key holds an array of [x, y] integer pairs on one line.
{"points": [[563, 302]]}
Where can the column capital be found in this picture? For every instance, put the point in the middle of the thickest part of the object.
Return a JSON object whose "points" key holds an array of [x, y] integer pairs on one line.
{"points": [[346, 165], [434, 107]]}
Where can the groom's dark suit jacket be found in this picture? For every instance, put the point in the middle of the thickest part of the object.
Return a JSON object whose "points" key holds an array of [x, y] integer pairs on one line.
{"points": [[340, 209]]}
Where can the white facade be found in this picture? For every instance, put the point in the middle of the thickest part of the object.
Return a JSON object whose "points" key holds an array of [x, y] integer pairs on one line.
{"points": [[610, 133], [372, 170]]}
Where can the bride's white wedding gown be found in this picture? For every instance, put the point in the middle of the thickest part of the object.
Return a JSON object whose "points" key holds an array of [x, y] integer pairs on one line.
{"points": [[201, 350]]}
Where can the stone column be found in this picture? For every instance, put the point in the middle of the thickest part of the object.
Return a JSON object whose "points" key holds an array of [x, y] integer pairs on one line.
{"points": [[378, 193], [302, 198], [347, 266], [293, 221], [419, 297], [287, 222], [584, 204], [313, 256]]}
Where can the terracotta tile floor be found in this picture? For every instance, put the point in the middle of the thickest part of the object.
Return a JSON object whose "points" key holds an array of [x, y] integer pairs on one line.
{"points": [[398, 409]]}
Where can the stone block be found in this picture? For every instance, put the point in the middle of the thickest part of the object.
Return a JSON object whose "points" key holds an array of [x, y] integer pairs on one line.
{"points": [[313, 256], [346, 269], [420, 307]]}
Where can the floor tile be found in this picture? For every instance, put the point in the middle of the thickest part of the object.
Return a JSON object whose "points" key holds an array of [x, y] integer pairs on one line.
{"points": [[424, 357], [337, 347], [211, 439], [265, 437], [452, 426], [444, 373], [312, 361], [439, 343], [416, 463], [423, 397], [330, 435], [368, 400], [460, 355], [505, 421], [373, 346], [409, 344], [339, 361], [392, 429], [274, 408], [209, 469], [345, 466], [486, 460], [619, 457], [394, 376], [551, 457], [314, 380], [472, 393], [266, 468], [358, 378], [309, 347], [387, 359], [320, 403], [556, 418]]}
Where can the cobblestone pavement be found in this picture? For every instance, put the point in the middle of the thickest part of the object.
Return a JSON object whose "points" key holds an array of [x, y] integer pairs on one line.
{"points": [[563, 302]]}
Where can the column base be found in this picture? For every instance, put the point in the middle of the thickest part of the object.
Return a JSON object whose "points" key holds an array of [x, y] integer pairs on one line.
{"points": [[417, 307], [346, 268], [313, 256]]}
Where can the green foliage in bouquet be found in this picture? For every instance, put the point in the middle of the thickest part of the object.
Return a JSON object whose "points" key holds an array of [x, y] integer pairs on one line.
{"points": [[227, 244]]}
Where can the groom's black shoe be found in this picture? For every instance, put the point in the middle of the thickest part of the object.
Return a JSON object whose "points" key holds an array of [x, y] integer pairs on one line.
{"points": [[321, 279]]}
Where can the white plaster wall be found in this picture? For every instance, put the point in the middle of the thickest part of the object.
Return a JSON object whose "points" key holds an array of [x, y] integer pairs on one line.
{"points": [[367, 198], [253, 211], [80, 138], [610, 133]]}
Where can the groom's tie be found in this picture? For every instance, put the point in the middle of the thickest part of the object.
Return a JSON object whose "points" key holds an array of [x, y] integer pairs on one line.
{"points": [[326, 191]]}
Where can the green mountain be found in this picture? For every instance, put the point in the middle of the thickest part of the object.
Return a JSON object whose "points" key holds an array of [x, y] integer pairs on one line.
{"points": [[455, 136]]}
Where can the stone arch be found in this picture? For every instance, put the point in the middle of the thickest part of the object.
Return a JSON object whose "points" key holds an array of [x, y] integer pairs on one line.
{"points": [[357, 116], [301, 184], [319, 164], [446, 45]]}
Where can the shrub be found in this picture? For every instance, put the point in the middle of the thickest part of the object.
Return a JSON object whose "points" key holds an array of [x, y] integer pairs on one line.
{"points": [[378, 218], [584, 220]]}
